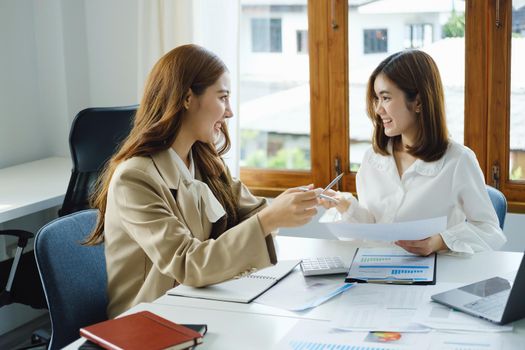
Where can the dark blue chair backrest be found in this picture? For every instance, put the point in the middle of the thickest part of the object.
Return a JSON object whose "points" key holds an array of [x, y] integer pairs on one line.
{"points": [[499, 202], [73, 275], [96, 134]]}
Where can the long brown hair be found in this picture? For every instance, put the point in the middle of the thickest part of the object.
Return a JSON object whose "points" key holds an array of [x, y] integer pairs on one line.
{"points": [[159, 119], [415, 73]]}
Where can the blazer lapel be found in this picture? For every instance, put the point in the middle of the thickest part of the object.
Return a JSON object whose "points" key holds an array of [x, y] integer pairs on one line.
{"points": [[184, 198]]}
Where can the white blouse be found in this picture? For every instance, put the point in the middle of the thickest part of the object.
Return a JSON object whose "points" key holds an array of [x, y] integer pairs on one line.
{"points": [[212, 207], [452, 186]]}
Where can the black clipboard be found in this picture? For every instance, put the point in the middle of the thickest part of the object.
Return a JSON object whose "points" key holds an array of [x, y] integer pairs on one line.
{"points": [[389, 279]]}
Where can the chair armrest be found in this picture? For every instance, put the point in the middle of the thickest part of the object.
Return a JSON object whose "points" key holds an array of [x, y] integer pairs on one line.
{"points": [[23, 236]]}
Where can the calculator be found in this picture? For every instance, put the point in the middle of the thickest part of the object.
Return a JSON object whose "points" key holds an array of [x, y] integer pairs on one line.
{"points": [[323, 266]]}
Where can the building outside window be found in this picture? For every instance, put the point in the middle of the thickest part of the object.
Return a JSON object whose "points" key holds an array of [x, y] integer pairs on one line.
{"points": [[375, 41], [302, 41], [266, 35], [418, 35]]}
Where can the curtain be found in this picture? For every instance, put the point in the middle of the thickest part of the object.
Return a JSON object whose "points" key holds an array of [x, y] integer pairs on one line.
{"points": [[214, 24]]}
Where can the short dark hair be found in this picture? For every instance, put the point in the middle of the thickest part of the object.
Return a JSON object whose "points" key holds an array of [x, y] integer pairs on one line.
{"points": [[414, 72]]}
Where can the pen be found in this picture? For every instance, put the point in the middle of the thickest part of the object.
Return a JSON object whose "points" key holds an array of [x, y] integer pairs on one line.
{"points": [[324, 196], [328, 198], [334, 181]]}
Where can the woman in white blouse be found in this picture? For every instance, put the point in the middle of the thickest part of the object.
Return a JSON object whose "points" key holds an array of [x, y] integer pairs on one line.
{"points": [[413, 170]]}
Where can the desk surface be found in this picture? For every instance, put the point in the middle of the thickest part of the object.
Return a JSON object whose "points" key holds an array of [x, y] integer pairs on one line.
{"points": [[256, 326], [31, 187]]}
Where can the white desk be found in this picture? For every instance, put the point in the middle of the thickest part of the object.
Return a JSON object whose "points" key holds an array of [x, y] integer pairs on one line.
{"points": [[31, 187], [255, 326]]}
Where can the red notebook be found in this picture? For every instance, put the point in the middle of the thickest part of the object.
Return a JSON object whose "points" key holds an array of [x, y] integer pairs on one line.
{"points": [[142, 330]]}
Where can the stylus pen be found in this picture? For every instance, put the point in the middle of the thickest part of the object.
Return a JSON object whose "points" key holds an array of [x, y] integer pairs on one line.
{"points": [[324, 196], [334, 181]]}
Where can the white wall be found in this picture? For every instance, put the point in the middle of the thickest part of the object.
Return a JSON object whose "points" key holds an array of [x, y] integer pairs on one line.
{"points": [[58, 57], [112, 47], [21, 138]]}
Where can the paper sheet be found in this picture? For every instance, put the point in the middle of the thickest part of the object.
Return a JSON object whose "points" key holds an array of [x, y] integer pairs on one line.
{"points": [[318, 335], [476, 341], [408, 230], [297, 293], [373, 307]]}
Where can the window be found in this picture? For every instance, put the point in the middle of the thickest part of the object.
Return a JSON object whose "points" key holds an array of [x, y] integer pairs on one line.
{"points": [[314, 102], [500, 149], [418, 35], [452, 68], [375, 40], [266, 35], [274, 89], [302, 41], [517, 95]]}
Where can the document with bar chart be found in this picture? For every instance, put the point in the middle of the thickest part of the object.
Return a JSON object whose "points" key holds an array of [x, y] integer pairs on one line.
{"points": [[391, 265]]}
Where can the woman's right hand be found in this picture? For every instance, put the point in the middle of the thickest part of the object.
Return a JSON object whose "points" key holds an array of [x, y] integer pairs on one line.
{"points": [[293, 207], [342, 203]]}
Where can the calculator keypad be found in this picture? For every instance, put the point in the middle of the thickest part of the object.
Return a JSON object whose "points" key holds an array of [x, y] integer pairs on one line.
{"points": [[323, 266]]}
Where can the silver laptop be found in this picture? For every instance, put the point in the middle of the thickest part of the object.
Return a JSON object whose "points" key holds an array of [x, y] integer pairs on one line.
{"points": [[495, 299]]}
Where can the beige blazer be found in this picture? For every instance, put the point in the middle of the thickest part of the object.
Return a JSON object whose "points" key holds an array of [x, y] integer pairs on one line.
{"points": [[156, 236]]}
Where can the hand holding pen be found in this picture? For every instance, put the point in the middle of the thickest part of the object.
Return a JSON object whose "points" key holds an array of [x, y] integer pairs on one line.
{"points": [[328, 187]]}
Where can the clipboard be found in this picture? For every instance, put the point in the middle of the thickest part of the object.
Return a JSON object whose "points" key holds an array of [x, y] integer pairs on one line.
{"points": [[392, 266]]}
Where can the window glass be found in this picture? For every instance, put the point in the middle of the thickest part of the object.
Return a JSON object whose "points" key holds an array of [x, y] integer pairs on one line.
{"points": [[418, 35], [302, 41], [274, 85], [517, 93], [377, 29], [266, 35]]}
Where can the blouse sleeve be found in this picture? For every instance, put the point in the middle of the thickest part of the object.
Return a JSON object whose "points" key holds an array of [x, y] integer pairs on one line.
{"points": [[480, 231], [357, 213], [146, 216]]}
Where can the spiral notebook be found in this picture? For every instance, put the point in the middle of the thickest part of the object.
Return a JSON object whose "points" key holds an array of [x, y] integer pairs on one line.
{"points": [[240, 290]]}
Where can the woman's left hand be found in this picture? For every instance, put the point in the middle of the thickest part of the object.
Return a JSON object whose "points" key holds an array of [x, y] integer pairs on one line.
{"points": [[425, 246]]}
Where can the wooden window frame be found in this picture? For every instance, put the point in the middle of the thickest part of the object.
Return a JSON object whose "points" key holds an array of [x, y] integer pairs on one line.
{"points": [[487, 99]]}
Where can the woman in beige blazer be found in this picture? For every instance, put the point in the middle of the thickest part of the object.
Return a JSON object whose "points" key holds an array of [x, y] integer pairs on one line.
{"points": [[169, 210]]}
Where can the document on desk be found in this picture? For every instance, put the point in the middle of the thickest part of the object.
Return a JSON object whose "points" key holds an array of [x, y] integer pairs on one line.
{"points": [[241, 290], [379, 307], [391, 265], [318, 335], [298, 293], [408, 230]]}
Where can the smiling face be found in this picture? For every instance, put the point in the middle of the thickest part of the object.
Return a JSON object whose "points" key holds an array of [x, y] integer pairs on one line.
{"points": [[397, 114], [207, 112]]}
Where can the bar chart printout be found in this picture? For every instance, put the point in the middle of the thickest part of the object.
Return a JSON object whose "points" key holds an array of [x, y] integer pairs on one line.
{"points": [[391, 264], [304, 345]]}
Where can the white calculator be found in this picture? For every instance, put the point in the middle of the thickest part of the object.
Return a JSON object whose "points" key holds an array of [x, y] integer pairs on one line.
{"points": [[323, 266]]}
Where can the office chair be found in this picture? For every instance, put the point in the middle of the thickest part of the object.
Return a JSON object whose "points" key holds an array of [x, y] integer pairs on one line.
{"points": [[73, 275], [499, 202], [96, 134], [17, 290], [20, 282]]}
